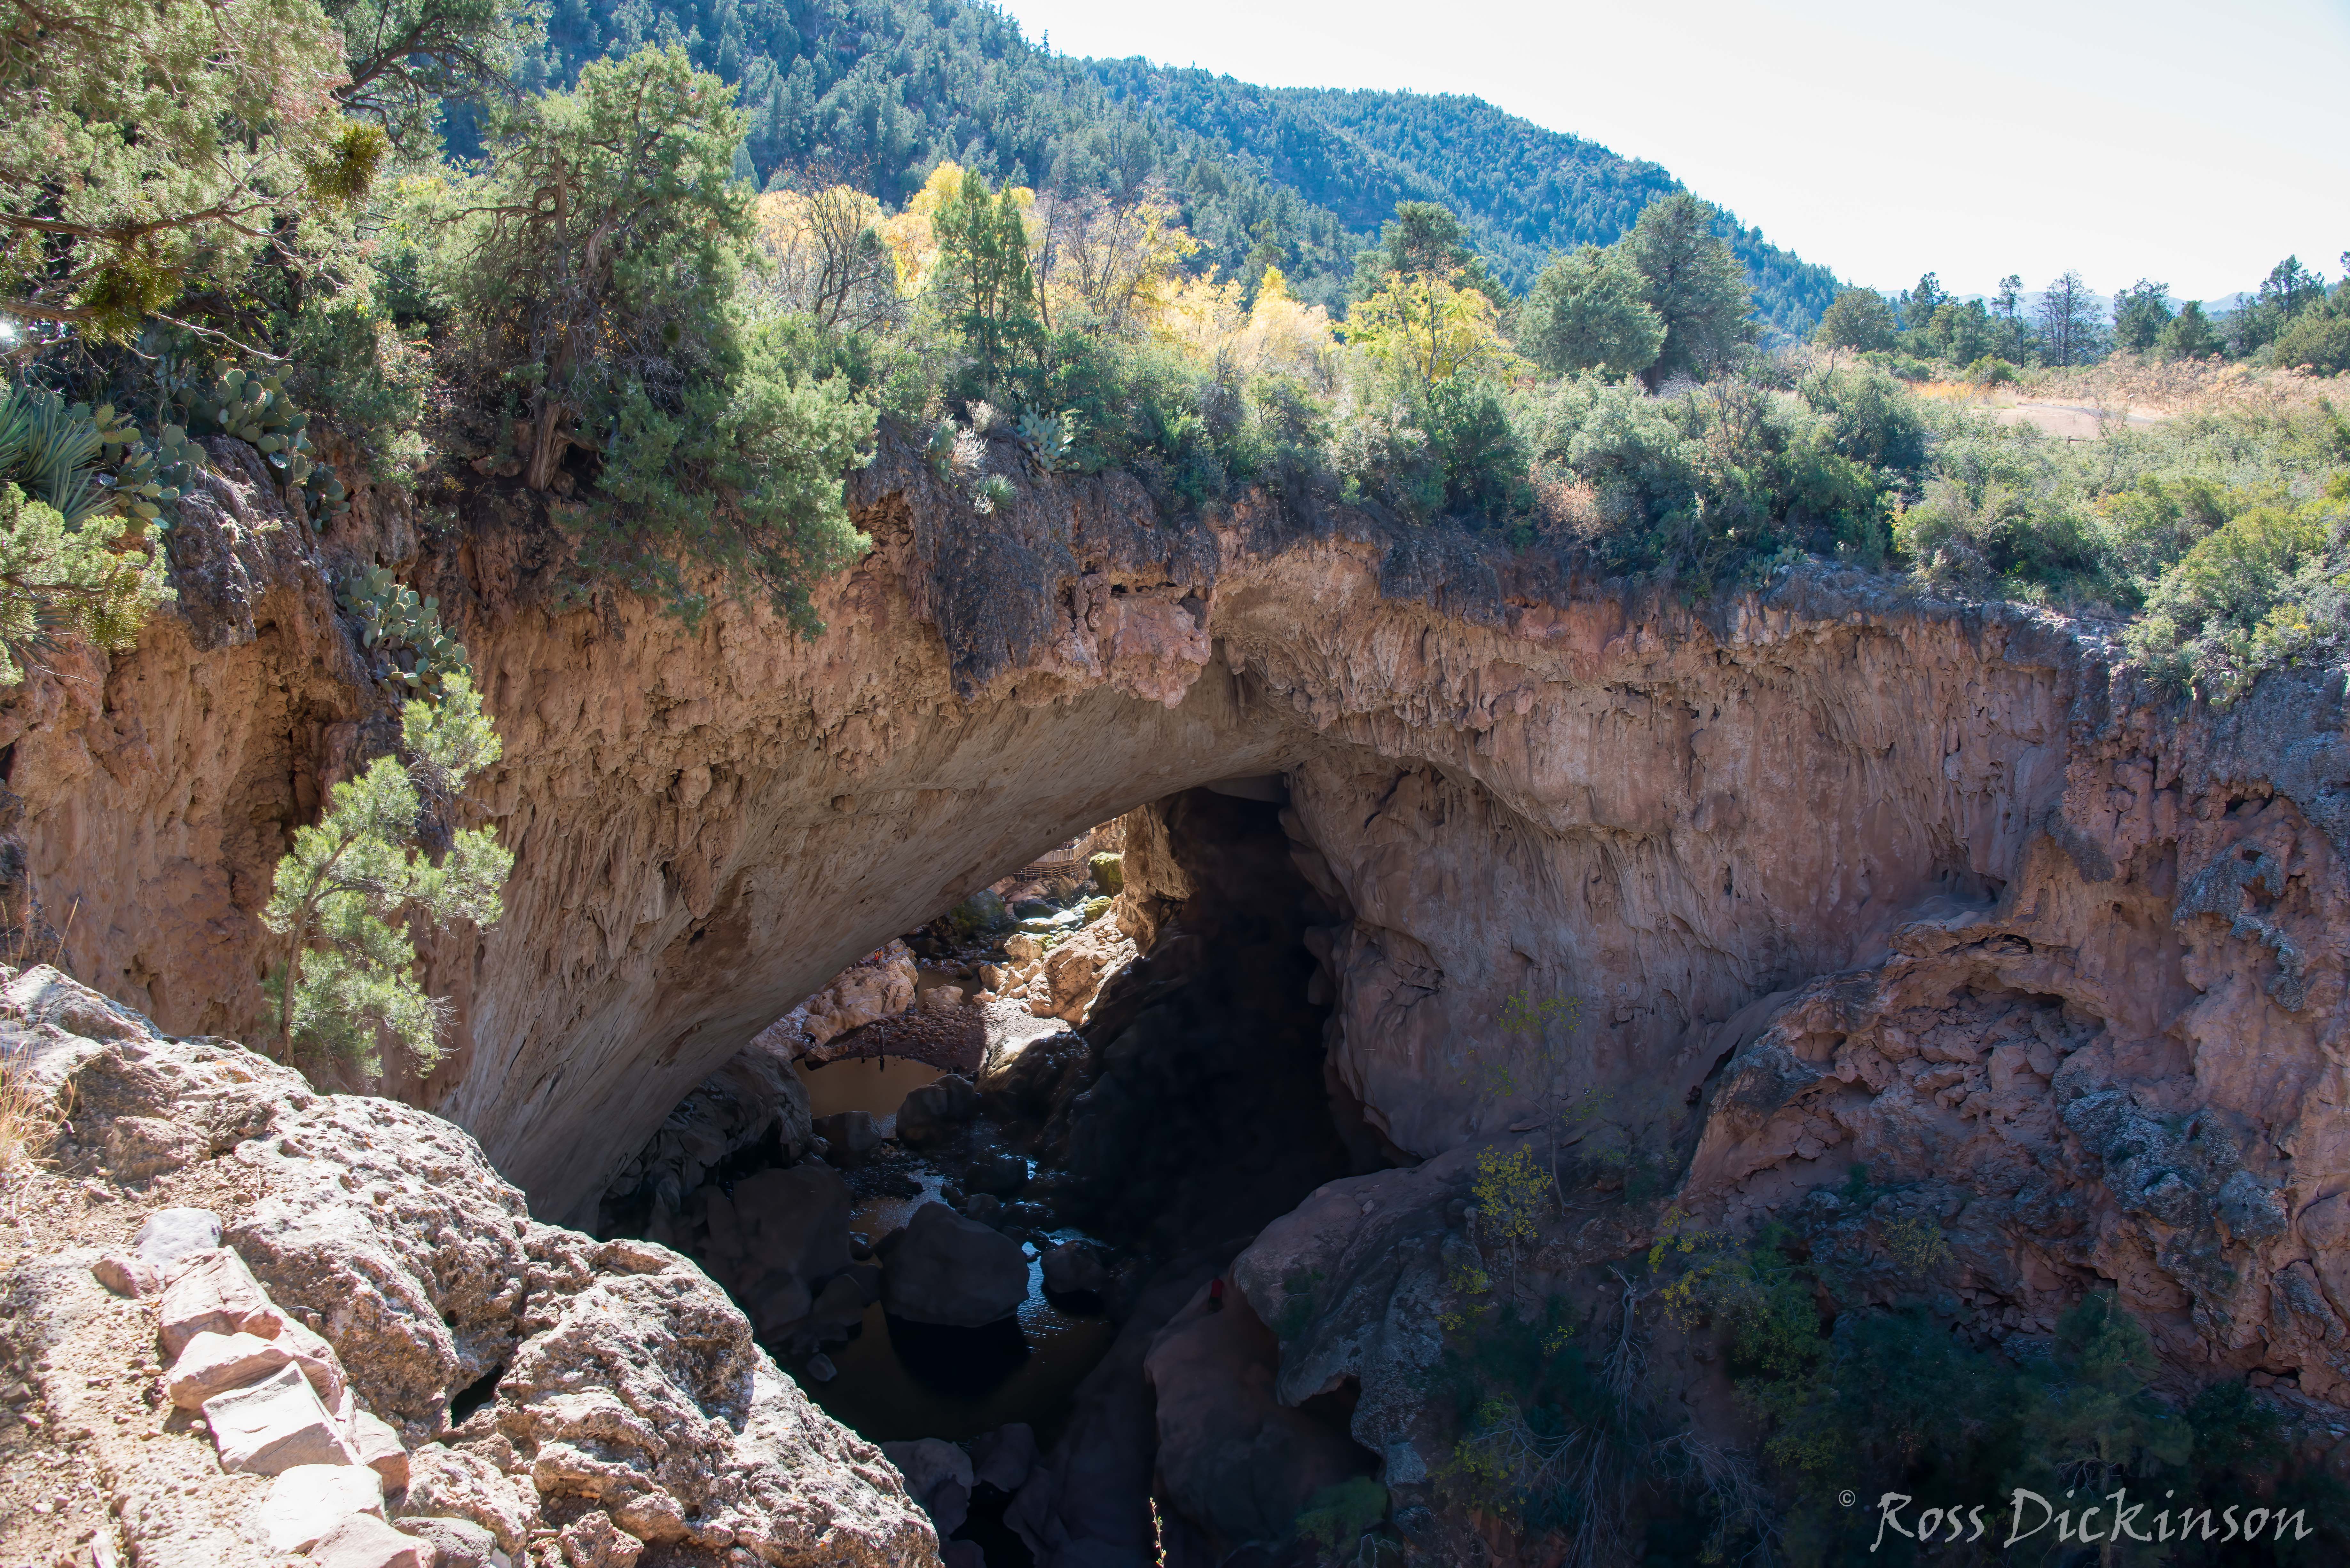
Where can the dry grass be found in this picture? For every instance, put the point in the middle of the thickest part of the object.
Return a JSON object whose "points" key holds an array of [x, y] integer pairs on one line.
{"points": [[2185, 386], [27, 1116]]}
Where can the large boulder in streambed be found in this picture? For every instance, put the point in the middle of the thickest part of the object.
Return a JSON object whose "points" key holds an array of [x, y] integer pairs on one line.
{"points": [[944, 1268], [937, 1111]]}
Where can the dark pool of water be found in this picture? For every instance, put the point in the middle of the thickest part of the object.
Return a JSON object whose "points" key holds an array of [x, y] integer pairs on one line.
{"points": [[903, 1380]]}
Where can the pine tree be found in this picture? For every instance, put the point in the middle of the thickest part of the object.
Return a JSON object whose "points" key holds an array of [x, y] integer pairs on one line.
{"points": [[985, 288], [344, 897]]}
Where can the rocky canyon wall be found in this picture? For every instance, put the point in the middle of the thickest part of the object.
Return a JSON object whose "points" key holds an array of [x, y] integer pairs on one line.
{"points": [[1582, 842]]}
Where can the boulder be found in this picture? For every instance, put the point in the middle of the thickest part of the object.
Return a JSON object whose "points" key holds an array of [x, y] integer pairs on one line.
{"points": [[997, 1170], [951, 1270], [363, 1541], [215, 1293], [171, 1234], [1004, 1457], [455, 1483], [307, 1501], [593, 1540], [943, 999], [460, 1543], [375, 1444], [878, 985], [213, 1364], [126, 1274], [1109, 872], [139, 1148], [938, 1476], [853, 1135], [936, 1111], [1075, 1266], [984, 1207], [1025, 1081], [1234, 1459], [272, 1426]]}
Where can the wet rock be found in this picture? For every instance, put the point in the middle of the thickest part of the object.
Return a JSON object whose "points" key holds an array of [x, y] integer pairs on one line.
{"points": [[860, 1245], [938, 1476], [308, 1501], [983, 1207], [936, 1111], [820, 1367], [1004, 1457], [853, 1135], [995, 1170], [951, 1270], [1075, 1266], [943, 999], [840, 1308], [271, 1426]]}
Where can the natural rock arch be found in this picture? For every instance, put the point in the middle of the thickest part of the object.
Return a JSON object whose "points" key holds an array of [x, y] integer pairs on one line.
{"points": [[1515, 787]]}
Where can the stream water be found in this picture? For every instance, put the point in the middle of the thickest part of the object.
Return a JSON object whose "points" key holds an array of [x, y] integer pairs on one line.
{"points": [[900, 1380]]}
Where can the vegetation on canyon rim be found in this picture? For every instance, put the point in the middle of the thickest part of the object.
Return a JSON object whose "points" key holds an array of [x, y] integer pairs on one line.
{"points": [[1021, 262]]}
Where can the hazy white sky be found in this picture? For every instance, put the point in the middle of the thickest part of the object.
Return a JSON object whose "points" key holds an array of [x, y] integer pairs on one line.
{"points": [[2195, 144]]}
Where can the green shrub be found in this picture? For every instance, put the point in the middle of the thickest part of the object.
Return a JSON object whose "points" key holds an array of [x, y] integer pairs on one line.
{"points": [[1335, 1517]]}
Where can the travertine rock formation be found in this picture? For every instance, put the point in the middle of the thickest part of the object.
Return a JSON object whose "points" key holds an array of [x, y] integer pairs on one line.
{"points": [[1960, 891], [613, 1388]]}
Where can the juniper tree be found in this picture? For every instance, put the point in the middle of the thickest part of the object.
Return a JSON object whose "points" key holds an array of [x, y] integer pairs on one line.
{"points": [[346, 896]]}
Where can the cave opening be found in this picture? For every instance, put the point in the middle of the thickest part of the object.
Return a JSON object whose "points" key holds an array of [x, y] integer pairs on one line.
{"points": [[961, 1190]]}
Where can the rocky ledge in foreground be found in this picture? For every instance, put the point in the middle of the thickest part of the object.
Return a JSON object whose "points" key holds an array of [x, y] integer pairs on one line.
{"points": [[247, 1321]]}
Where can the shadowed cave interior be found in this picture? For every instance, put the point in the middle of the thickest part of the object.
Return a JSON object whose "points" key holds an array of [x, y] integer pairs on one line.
{"points": [[963, 1223]]}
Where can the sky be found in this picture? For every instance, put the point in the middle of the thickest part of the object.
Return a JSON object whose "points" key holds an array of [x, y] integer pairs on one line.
{"points": [[2193, 144]]}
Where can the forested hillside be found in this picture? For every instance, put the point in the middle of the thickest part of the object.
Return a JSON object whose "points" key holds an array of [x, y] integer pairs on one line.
{"points": [[877, 92]]}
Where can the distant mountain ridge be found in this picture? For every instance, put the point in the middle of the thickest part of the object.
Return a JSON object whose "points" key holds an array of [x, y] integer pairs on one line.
{"points": [[878, 91]]}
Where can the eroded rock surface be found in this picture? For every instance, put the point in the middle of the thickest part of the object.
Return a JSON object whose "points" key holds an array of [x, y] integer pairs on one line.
{"points": [[614, 1391]]}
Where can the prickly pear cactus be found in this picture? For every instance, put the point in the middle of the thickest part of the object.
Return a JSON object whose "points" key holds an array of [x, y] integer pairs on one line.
{"points": [[419, 653], [255, 409]]}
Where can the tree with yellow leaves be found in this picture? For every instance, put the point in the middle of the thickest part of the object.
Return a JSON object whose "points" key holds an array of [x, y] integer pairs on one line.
{"points": [[1425, 330], [826, 258], [1110, 269]]}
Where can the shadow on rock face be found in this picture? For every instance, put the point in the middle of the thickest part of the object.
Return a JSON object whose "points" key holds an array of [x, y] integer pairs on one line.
{"points": [[965, 1363]]}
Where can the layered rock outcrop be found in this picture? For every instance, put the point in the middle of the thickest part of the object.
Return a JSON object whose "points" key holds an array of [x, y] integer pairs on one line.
{"points": [[522, 1378]]}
